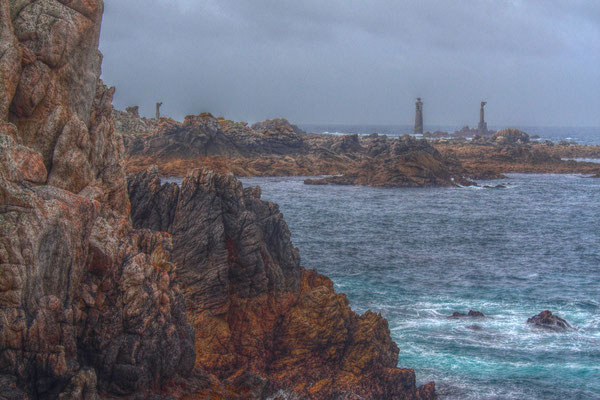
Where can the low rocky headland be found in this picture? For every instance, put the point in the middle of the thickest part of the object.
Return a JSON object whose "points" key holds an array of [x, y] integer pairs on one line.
{"points": [[278, 148], [127, 288]]}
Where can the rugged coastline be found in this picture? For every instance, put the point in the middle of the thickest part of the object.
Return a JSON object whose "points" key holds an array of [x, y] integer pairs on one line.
{"points": [[278, 148], [116, 289]]}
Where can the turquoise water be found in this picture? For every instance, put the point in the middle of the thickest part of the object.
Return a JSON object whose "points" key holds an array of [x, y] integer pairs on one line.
{"points": [[417, 255]]}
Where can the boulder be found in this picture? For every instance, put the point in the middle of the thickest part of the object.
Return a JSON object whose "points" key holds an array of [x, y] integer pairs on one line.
{"points": [[547, 320], [470, 314]]}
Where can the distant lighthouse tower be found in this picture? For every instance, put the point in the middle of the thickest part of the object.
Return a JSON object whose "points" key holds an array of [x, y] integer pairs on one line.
{"points": [[419, 117], [482, 128]]}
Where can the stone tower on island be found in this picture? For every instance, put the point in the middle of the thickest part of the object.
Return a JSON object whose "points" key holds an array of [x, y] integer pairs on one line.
{"points": [[419, 117], [158, 110], [482, 127]]}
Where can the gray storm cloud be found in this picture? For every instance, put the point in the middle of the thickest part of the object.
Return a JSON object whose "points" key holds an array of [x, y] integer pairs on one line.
{"points": [[354, 61]]}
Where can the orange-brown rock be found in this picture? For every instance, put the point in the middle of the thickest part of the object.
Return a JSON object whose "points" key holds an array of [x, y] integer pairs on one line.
{"points": [[89, 306], [92, 307], [277, 148], [253, 307], [490, 160], [53, 97], [410, 167]]}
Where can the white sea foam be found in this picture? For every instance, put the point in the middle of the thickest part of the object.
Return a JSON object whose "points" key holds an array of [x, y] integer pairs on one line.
{"points": [[580, 159]]}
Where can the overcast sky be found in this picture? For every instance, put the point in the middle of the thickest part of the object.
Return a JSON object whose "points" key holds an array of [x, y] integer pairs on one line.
{"points": [[536, 62]]}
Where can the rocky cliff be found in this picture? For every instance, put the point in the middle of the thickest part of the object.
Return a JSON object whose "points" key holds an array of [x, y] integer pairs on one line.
{"points": [[92, 306], [88, 304], [253, 307]]}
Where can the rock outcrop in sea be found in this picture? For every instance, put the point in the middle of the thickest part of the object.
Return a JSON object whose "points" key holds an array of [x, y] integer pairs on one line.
{"points": [[276, 147], [202, 296], [547, 320], [252, 306]]}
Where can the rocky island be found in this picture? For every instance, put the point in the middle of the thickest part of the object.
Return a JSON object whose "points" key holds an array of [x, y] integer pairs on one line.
{"points": [[116, 288], [278, 148]]}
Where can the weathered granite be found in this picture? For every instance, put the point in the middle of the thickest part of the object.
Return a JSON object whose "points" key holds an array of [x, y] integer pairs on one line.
{"points": [[89, 305], [252, 306]]}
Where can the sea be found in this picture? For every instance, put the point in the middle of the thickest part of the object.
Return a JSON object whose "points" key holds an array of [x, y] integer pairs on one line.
{"points": [[580, 135], [416, 255]]}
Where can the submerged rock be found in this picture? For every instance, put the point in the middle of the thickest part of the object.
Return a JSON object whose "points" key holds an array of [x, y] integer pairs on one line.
{"points": [[475, 327], [547, 320], [471, 314]]}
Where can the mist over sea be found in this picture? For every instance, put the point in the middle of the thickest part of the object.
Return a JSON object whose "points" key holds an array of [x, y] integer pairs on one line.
{"points": [[418, 255], [581, 135]]}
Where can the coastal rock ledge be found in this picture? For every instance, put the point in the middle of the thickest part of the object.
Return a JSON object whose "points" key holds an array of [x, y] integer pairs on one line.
{"points": [[253, 307]]}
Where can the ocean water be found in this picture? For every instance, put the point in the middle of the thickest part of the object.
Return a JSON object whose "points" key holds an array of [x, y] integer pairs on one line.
{"points": [[417, 255], [581, 135]]}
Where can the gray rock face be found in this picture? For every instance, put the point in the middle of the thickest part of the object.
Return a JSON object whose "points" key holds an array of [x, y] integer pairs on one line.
{"points": [[130, 122], [81, 289], [205, 216], [204, 135]]}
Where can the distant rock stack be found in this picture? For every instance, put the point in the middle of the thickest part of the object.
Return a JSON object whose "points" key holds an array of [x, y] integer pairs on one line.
{"points": [[419, 117], [482, 127]]}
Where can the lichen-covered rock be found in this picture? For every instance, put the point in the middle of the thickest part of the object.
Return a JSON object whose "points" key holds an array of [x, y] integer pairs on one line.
{"points": [[79, 288], [131, 123], [88, 305], [252, 306], [53, 97]]}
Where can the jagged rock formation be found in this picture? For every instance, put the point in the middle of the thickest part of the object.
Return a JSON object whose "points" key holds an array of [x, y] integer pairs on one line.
{"points": [[406, 163], [253, 307], [278, 124], [92, 307], [89, 305], [547, 320], [130, 122], [204, 135], [276, 147]]}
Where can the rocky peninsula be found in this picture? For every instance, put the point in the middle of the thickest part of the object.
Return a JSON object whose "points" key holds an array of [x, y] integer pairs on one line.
{"points": [[116, 288], [278, 148]]}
